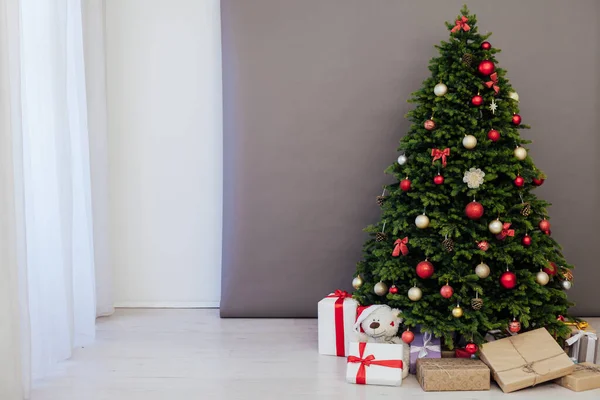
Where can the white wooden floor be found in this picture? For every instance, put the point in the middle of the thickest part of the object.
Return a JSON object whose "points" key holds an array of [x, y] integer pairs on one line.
{"points": [[192, 354]]}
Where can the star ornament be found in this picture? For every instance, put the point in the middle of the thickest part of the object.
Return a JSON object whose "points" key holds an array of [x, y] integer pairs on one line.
{"points": [[493, 106]]}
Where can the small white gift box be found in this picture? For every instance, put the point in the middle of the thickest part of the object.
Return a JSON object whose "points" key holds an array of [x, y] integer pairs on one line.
{"points": [[337, 313], [375, 364]]}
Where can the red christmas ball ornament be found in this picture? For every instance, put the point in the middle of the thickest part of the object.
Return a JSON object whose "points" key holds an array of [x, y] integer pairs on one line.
{"points": [[429, 125], [405, 185], [486, 45], [438, 179], [544, 225], [424, 269], [486, 67], [526, 241], [538, 181], [474, 210], [493, 135], [508, 280], [516, 119], [393, 289], [477, 100], [551, 268], [408, 337], [471, 348], [514, 326], [483, 245], [446, 291], [519, 181]]}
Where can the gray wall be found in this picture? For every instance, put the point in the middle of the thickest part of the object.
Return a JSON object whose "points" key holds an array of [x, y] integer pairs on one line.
{"points": [[314, 97]]}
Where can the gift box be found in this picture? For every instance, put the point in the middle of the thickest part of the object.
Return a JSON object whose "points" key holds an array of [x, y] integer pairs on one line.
{"points": [[583, 344], [425, 345], [337, 313], [448, 354], [375, 364], [525, 360], [585, 377], [447, 374]]}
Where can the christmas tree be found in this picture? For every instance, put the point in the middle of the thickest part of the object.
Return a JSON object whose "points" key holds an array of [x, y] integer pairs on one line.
{"points": [[463, 246]]}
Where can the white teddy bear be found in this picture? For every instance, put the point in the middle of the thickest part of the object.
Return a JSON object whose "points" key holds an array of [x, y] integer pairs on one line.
{"points": [[379, 324]]}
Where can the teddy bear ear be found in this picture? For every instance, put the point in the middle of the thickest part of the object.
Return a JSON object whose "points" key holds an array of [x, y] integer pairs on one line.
{"points": [[397, 314]]}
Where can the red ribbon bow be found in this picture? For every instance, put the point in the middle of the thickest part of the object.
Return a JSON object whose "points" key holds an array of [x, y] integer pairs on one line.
{"points": [[461, 24], [560, 318], [493, 83], [361, 375], [437, 154], [400, 247], [505, 231], [340, 343]]}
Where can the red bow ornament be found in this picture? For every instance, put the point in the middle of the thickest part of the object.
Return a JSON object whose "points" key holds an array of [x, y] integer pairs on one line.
{"points": [[361, 374], [505, 231], [437, 154], [461, 24], [400, 247], [493, 83]]}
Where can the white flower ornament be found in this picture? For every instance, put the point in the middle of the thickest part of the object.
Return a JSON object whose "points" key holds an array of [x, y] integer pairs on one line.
{"points": [[473, 178]]}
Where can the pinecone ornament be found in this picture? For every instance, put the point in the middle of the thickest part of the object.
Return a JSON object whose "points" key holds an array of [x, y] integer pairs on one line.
{"points": [[448, 245], [380, 200], [526, 210], [467, 59], [380, 236], [476, 303]]}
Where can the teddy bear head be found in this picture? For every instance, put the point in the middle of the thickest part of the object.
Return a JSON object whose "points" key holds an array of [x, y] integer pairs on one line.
{"points": [[379, 321]]}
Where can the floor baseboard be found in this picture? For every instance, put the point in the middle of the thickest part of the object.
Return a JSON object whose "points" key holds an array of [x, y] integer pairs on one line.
{"points": [[167, 304]]}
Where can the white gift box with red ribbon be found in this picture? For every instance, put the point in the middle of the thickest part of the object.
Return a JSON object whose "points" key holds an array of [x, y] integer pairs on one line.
{"points": [[375, 364], [337, 313]]}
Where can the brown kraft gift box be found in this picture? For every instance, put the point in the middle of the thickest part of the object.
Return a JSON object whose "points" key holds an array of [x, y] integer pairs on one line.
{"points": [[446, 374], [526, 360], [585, 377]]}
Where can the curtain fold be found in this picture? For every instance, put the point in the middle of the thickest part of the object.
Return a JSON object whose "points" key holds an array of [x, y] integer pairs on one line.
{"points": [[48, 275]]}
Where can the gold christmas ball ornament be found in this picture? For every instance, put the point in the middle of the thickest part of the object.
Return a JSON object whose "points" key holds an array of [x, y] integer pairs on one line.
{"points": [[380, 289], [495, 226], [542, 278], [520, 153], [357, 282], [457, 311], [514, 96], [422, 221], [415, 294], [469, 142], [440, 89], [482, 270]]}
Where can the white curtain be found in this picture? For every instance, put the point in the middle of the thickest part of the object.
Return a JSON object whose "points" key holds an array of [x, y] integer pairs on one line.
{"points": [[48, 276]]}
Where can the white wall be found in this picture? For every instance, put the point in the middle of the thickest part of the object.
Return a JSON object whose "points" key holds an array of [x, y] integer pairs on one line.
{"points": [[165, 151]]}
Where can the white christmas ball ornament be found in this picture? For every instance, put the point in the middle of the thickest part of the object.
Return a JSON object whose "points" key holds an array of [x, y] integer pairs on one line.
{"points": [[514, 96], [482, 270], [566, 285], [402, 159], [422, 221], [520, 153], [470, 142], [440, 89], [495, 226], [415, 294], [380, 289], [542, 278]]}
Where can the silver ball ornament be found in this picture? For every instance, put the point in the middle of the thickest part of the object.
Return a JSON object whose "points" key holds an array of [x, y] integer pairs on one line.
{"points": [[402, 159], [542, 278], [514, 96], [422, 221], [482, 270], [380, 289], [357, 282], [520, 153], [440, 89], [495, 226], [415, 294], [566, 285], [469, 142]]}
